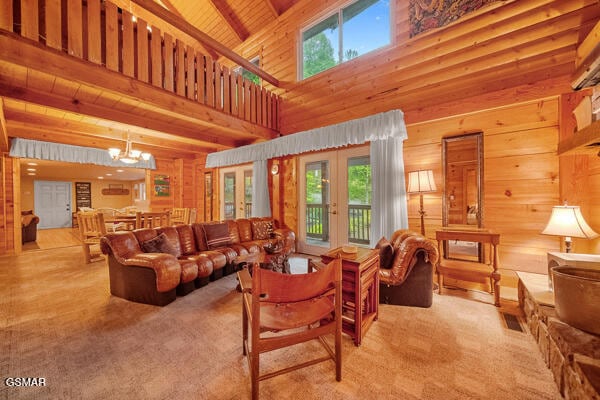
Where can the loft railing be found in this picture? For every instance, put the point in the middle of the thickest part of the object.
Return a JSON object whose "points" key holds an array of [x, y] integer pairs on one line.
{"points": [[102, 33]]}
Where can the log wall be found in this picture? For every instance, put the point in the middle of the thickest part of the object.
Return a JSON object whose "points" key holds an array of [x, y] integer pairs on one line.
{"points": [[447, 84]]}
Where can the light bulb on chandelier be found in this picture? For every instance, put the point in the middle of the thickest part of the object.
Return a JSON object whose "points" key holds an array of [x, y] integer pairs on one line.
{"points": [[129, 156]]}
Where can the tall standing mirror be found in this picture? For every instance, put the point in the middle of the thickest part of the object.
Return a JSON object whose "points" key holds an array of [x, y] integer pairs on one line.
{"points": [[462, 203]]}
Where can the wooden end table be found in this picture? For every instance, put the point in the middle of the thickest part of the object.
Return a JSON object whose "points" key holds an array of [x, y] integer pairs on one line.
{"points": [[360, 290]]}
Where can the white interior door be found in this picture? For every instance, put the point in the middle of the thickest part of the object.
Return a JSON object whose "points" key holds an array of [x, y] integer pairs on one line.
{"points": [[52, 202], [236, 192], [334, 199]]}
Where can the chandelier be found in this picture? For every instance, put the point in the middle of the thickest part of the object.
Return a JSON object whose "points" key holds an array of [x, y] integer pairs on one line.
{"points": [[129, 156]]}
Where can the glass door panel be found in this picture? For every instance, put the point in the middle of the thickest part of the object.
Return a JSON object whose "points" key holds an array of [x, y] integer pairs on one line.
{"points": [[229, 195], [359, 199], [236, 192], [335, 200]]}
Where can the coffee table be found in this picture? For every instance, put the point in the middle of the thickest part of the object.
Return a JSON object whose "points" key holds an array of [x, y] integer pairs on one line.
{"points": [[277, 261]]}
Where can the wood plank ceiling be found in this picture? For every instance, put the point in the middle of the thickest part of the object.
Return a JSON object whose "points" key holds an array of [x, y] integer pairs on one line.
{"points": [[44, 104]]}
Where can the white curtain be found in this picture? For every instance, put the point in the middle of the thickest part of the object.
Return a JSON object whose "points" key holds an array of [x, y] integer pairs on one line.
{"points": [[26, 148], [357, 131], [261, 206], [386, 132], [389, 209]]}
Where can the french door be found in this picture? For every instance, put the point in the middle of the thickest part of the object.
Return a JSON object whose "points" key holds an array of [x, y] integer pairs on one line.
{"points": [[334, 200], [236, 192]]}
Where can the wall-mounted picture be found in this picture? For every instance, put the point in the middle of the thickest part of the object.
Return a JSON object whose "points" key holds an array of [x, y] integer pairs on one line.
{"points": [[161, 185]]}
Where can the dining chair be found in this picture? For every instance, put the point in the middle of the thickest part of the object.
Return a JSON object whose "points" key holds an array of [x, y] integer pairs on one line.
{"points": [[180, 216], [281, 310], [91, 228], [152, 219]]}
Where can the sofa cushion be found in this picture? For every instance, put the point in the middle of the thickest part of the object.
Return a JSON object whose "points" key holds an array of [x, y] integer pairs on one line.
{"points": [[262, 229], [386, 253], [245, 229], [217, 235], [234, 232], [159, 244], [186, 239]]}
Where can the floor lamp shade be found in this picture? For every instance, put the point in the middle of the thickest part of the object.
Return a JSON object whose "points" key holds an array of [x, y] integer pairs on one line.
{"points": [[568, 221], [420, 182]]}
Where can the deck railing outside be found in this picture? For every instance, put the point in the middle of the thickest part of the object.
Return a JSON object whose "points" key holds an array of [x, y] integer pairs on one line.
{"points": [[359, 222], [100, 32]]}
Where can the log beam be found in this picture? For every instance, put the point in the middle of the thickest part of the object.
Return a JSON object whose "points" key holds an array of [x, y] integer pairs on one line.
{"points": [[202, 37], [231, 19]]}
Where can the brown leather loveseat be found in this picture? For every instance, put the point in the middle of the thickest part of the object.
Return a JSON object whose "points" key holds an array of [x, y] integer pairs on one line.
{"points": [[406, 273], [154, 265]]}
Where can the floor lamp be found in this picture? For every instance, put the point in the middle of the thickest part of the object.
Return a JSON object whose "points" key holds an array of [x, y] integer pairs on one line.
{"points": [[420, 182]]}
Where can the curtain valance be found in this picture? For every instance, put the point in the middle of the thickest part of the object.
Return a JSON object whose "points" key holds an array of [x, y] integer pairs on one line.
{"points": [[375, 127], [26, 148]]}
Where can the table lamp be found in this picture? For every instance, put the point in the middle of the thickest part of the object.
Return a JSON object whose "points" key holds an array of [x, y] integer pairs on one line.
{"points": [[567, 221], [421, 182]]}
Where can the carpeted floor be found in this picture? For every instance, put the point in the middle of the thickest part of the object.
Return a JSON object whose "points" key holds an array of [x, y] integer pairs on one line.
{"points": [[58, 321]]}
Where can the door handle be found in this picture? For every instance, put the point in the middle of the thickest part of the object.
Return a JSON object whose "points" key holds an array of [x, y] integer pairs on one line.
{"points": [[333, 212]]}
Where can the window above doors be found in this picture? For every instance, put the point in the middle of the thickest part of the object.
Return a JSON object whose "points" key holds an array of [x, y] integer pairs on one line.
{"points": [[349, 32]]}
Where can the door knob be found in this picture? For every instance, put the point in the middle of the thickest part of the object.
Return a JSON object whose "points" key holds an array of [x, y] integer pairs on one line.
{"points": [[333, 212]]}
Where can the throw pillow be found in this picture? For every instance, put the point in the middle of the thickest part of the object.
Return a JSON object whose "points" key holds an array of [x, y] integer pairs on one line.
{"points": [[262, 229], [386, 253], [217, 235], [159, 244]]}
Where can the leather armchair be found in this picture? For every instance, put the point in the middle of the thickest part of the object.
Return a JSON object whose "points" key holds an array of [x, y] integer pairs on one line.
{"points": [[409, 279], [29, 222]]}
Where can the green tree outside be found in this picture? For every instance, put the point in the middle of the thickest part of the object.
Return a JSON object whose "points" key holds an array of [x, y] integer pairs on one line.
{"points": [[318, 55]]}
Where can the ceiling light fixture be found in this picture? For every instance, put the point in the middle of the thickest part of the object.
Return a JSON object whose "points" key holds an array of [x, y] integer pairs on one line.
{"points": [[129, 156]]}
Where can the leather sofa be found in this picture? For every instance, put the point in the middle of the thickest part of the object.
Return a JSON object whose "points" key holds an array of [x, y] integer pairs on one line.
{"points": [[29, 222], [407, 279], [154, 265]]}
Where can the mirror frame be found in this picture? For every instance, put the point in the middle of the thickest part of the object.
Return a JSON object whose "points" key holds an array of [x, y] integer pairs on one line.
{"points": [[445, 204]]}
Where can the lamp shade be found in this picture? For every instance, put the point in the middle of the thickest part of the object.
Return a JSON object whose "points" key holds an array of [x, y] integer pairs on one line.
{"points": [[421, 181], [568, 221]]}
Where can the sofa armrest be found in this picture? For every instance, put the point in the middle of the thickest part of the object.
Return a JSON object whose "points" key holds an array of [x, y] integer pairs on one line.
{"points": [[166, 267], [288, 236], [124, 248], [412, 249]]}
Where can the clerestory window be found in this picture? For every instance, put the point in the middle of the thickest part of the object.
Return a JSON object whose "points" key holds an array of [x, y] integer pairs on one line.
{"points": [[351, 31]]}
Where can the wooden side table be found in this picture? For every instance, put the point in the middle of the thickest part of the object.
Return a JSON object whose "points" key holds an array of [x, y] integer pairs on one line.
{"points": [[360, 290]]}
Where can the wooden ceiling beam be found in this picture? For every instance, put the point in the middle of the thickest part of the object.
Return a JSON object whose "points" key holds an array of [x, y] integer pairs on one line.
{"points": [[273, 8], [4, 143], [24, 53], [202, 37], [118, 136], [227, 13]]}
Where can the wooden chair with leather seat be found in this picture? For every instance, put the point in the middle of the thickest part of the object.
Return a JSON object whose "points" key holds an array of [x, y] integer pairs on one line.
{"points": [[280, 310], [91, 228]]}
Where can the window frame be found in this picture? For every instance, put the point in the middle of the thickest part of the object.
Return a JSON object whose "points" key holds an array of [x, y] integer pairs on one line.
{"points": [[253, 60], [328, 14]]}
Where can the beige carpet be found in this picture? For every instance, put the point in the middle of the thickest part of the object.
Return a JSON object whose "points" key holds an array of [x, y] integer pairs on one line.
{"points": [[58, 321]]}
